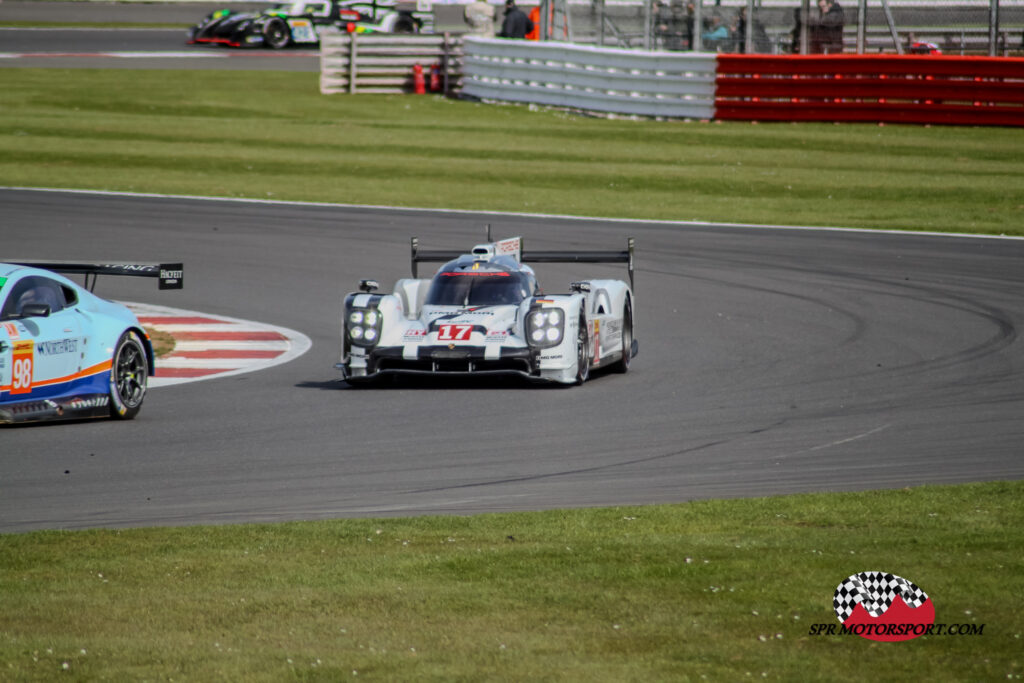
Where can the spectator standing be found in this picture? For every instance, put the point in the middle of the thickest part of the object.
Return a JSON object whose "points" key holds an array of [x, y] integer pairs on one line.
{"points": [[516, 24], [827, 33], [794, 35], [669, 24], [717, 35], [479, 16]]}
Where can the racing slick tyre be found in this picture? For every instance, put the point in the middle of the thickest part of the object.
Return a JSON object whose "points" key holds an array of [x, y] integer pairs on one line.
{"points": [[406, 24], [276, 34], [627, 339], [582, 352], [129, 373]]}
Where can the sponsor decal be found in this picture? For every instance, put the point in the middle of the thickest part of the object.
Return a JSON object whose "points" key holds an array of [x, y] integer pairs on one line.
{"points": [[22, 368], [12, 330], [496, 336], [544, 301], [480, 273], [54, 348], [512, 246], [170, 274], [556, 356], [884, 607], [3, 281], [414, 335], [597, 342], [91, 402], [129, 267], [454, 332]]}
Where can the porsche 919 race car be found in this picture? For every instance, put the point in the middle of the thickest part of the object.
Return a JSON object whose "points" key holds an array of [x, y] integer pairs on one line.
{"points": [[483, 313], [65, 353], [299, 23]]}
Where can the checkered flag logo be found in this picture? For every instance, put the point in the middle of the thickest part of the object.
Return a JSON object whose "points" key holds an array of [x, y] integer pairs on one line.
{"points": [[875, 591]]}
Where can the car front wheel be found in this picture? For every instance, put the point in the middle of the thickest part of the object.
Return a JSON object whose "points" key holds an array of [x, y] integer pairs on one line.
{"points": [[129, 374], [276, 34], [582, 352]]}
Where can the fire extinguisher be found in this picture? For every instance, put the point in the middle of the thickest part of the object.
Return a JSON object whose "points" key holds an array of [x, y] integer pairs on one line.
{"points": [[419, 86], [435, 78]]}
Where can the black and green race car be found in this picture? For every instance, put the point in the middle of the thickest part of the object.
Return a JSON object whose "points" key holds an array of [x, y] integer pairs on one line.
{"points": [[299, 23]]}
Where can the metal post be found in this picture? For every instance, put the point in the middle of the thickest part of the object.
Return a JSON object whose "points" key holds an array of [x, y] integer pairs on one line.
{"points": [[805, 30], [648, 24], [600, 23], [352, 63], [698, 42], [545, 19], [993, 26], [892, 27], [748, 37], [862, 20], [446, 61]]}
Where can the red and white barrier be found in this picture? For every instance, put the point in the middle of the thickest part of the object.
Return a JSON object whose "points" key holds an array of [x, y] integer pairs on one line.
{"points": [[921, 89], [935, 89]]}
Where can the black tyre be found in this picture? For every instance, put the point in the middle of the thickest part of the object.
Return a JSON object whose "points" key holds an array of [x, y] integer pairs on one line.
{"points": [[276, 34], [406, 24], [129, 375], [627, 339], [582, 352]]}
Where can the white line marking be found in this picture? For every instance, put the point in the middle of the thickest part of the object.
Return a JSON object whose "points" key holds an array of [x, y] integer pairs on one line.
{"points": [[842, 441]]}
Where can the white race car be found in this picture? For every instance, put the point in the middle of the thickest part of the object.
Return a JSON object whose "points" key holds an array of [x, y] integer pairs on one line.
{"points": [[483, 313]]}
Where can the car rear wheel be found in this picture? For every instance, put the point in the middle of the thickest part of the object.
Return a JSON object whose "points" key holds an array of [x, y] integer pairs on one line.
{"points": [[129, 374], [582, 352], [627, 339], [276, 34]]}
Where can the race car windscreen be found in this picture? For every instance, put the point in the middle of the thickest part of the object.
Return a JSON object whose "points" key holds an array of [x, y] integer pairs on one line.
{"points": [[477, 288]]}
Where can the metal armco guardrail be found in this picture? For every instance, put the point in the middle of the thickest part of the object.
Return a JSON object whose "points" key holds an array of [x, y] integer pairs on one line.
{"points": [[383, 63], [921, 89], [590, 78], [884, 88]]}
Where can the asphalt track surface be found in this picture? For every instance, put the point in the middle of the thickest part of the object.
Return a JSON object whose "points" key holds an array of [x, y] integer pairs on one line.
{"points": [[771, 361], [138, 48]]}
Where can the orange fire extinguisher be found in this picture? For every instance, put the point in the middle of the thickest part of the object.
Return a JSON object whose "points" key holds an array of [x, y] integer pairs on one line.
{"points": [[419, 85]]}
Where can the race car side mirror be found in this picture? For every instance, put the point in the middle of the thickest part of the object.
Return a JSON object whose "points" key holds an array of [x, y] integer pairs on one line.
{"points": [[580, 286], [368, 285], [35, 311]]}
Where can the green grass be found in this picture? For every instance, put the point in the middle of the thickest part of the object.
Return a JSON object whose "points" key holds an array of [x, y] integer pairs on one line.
{"points": [[711, 589], [272, 135]]}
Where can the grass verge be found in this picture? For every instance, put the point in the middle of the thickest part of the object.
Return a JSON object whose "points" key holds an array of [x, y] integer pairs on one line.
{"points": [[271, 135], [714, 589], [163, 342]]}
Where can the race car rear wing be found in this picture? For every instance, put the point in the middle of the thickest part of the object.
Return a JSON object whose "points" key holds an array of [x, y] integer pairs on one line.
{"points": [[170, 275], [626, 256]]}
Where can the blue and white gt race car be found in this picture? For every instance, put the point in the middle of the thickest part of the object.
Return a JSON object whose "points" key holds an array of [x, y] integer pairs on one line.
{"points": [[65, 353], [483, 313]]}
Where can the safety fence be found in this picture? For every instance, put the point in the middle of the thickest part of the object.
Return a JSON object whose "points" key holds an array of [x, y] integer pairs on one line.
{"points": [[884, 88], [610, 80], [921, 89], [387, 63]]}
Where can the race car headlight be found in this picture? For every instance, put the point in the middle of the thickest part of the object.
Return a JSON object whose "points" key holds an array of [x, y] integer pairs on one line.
{"points": [[364, 326], [545, 327]]}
